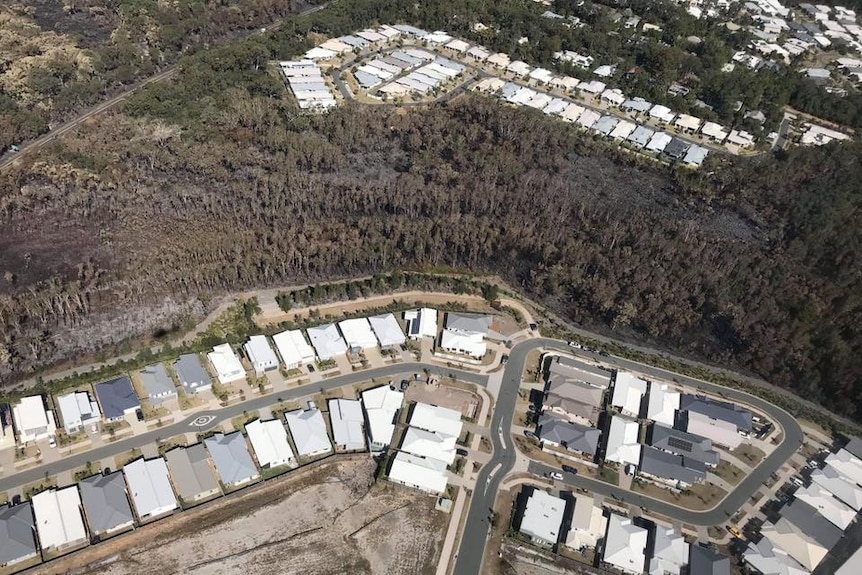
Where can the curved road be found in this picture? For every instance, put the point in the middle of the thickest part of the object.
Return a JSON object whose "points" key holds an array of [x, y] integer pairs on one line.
{"points": [[476, 529]]}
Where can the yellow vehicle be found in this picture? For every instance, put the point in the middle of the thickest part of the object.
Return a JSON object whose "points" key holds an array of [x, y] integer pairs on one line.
{"points": [[735, 532]]}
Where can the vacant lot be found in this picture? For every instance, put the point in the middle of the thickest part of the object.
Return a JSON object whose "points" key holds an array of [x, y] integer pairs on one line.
{"points": [[328, 519]]}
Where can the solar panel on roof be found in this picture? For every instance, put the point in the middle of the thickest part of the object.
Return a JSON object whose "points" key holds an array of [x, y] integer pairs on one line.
{"points": [[680, 444]]}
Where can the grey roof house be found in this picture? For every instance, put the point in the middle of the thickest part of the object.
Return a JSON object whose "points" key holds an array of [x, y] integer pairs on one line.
{"points": [[106, 504], [810, 522], [469, 322], [17, 532], [670, 468], [573, 369], [716, 410], [232, 459], [676, 148], [563, 386], [117, 398], [192, 375], [157, 383], [682, 443], [571, 436], [572, 408], [705, 561], [191, 473]]}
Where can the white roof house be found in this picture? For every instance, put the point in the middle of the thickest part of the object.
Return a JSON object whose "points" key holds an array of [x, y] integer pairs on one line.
{"points": [[686, 122], [226, 363], [429, 444], [269, 441], [327, 341], [519, 68], [293, 348], [714, 131], [628, 393], [827, 505], [623, 446], [78, 409], [387, 330], [58, 518], [381, 404], [421, 322], [623, 130], [658, 142], [357, 333], [661, 113], [428, 475], [439, 419], [671, 553], [260, 354], [625, 545], [309, 432], [831, 480], [768, 559], [472, 344], [852, 566], [32, 420], [345, 417], [719, 431], [543, 517], [662, 403], [793, 541], [588, 523], [847, 465], [150, 487]]}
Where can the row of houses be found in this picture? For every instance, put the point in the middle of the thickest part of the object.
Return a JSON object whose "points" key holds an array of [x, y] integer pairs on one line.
{"points": [[103, 505], [634, 546], [641, 137], [307, 84], [811, 524]]}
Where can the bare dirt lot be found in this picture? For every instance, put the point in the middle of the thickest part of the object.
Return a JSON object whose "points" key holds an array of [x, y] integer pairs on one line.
{"points": [[330, 518]]}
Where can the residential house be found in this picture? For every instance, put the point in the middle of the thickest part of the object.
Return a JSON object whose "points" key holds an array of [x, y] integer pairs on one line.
{"points": [[260, 355], [309, 432], [628, 393], [232, 460], [670, 552], [570, 436], [812, 523], [18, 533], [157, 384], [588, 524], [739, 417], [682, 443], [117, 398], [625, 545], [150, 488], [32, 420], [543, 517], [662, 403], [327, 341], [347, 422], [358, 335], [77, 409], [421, 323], [293, 349], [270, 444], [58, 518], [191, 373], [192, 473], [425, 474], [845, 490], [434, 418], [847, 465], [720, 432], [767, 559], [795, 542], [670, 469], [471, 344], [829, 507], [429, 444], [106, 505], [381, 406], [708, 562], [578, 371], [387, 330], [622, 442], [226, 364]]}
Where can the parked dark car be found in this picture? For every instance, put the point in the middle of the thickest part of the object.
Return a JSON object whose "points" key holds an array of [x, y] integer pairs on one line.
{"points": [[310, 368], [570, 469], [461, 452], [504, 360], [533, 327], [139, 414]]}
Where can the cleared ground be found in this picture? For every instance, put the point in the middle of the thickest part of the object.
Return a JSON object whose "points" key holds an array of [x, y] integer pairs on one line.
{"points": [[325, 519]]}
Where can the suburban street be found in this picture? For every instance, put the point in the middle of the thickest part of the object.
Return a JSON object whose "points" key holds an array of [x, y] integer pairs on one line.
{"points": [[469, 559], [185, 426]]}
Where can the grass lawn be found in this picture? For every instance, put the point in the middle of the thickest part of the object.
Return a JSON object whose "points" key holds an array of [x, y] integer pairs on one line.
{"points": [[124, 458], [749, 454], [531, 366], [729, 472]]}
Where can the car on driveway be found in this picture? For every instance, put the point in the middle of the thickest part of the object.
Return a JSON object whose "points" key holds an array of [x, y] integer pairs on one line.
{"points": [[570, 469], [556, 475]]}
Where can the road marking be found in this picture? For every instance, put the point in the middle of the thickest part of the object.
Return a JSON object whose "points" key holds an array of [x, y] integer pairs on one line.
{"points": [[203, 421], [491, 476]]}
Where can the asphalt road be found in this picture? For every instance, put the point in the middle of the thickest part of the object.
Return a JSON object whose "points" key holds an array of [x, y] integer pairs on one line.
{"points": [[476, 529], [185, 426], [11, 158]]}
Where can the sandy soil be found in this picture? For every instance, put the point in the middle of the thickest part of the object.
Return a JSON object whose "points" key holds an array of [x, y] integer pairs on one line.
{"points": [[325, 519]]}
